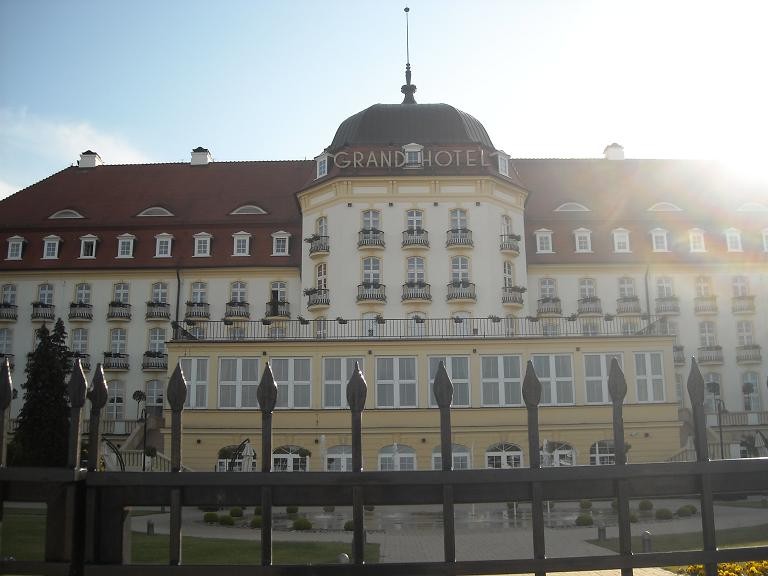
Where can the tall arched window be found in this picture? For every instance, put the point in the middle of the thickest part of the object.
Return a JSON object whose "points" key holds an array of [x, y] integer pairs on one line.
{"points": [[460, 456], [509, 274], [238, 292], [339, 459], [371, 220], [321, 276], [397, 457], [504, 455], [321, 226], [459, 220], [372, 271], [416, 273], [602, 453], [506, 225], [459, 269]]}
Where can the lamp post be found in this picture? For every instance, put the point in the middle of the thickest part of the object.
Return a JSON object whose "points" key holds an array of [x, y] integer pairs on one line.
{"points": [[714, 389]]}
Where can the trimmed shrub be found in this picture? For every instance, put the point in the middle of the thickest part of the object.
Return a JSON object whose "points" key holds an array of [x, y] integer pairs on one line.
{"points": [[664, 514], [329, 508], [691, 508], [236, 512], [645, 506], [584, 520], [255, 522], [211, 518], [349, 526], [683, 512], [226, 520], [632, 517], [291, 509], [585, 504], [302, 524], [257, 511]]}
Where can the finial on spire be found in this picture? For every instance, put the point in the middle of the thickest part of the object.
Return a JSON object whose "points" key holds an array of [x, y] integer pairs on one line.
{"points": [[408, 89]]}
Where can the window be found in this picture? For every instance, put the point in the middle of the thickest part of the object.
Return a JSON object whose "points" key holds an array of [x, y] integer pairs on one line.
{"points": [[120, 293], [80, 340], [321, 276], [733, 240], [115, 400], [457, 368], [163, 245], [650, 378], [336, 374], [6, 341], [459, 220], [626, 287], [278, 291], [280, 243], [460, 457], [290, 459], [339, 459], [238, 292], [8, 294], [413, 155], [321, 327], [397, 457], [744, 333], [544, 241], [15, 247], [196, 374], [65, 214], [371, 220], [556, 376], [664, 287], [703, 286], [241, 244], [503, 164], [199, 293], [160, 292], [155, 393], [504, 455], [555, 454], [51, 247], [321, 164], [621, 240], [712, 391], [597, 368], [372, 271], [508, 273], [83, 294], [750, 389], [321, 226], [587, 288], [707, 333], [572, 207], [396, 382], [696, 240], [547, 288], [665, 207], [118, 341], [501, 383], [156, 338], [602, 453], [506, 225], [45, 294], [155, 211], [238, 381], [202, 244], [88, 246], [125, 245], [659, 240], [740, 286], [248, 209], [292, 376], [416, 272], [414, 220], [459, 269], [583, 238]]}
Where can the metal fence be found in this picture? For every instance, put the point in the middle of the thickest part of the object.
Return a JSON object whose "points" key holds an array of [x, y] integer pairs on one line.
{"points": [[88, 529]]}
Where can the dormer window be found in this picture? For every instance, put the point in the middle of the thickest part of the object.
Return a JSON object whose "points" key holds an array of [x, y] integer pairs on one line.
{"points": [[665, 207], [163, 245], [696, 240], [125, 245], [659, 240], [51, 247], [65, 214], [15, 248], [241, 244], [280, 243], [202, 244], [414, 155], [583, 240], [88, 246], [733, 240], [155, 211], [543, 241], [321, 163], [621, 240], [248, 209], [572, 207], [503, 163]]}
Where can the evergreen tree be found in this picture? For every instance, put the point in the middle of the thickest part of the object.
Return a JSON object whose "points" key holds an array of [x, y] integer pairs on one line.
{"points": [[41, 436]]}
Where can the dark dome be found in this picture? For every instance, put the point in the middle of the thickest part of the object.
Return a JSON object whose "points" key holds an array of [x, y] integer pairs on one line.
{"points": [[401, 124]]}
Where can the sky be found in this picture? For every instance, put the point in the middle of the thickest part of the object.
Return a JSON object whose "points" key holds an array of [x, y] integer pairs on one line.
{"points": [[147, 81]]}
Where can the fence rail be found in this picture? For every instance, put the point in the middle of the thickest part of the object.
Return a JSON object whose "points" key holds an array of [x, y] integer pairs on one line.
{"points": [[88, 528]]}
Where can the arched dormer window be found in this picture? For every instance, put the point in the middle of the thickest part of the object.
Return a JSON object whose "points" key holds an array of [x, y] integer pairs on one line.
{"points": [[572, 207], [155, 211], [68, 213], [248, 209], [665, 207], [414, 155]]}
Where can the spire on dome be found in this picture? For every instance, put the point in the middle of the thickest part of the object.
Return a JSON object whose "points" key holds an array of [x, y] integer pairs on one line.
{"points": [[408, 89]]}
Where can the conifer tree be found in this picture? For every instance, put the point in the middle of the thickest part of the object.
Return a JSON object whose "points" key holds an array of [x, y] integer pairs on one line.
{"points": [[41, 436]]}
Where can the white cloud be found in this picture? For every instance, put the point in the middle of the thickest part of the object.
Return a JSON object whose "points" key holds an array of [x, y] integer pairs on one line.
{"points": [[61, 141]]}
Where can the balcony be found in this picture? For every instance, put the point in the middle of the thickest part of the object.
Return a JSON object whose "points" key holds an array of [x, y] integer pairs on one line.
{"points": [[80, 312], [678, 353], [42, 311], [549, 306], [198, 310], [710, 355], [628, 305], [512, 295], [237, 311], [589, 305], [667, 305], [85, 359], [371, 292], [318, 245], [116, 361], [461, 292], [416, 292], [154, 361], [743, 304], [11, 359], [317, 298], [370, 238], [705, 305], [458, 238], [8, 312], [749, 354], [415, 238], [158, 311], [277, 309], [510, 243], [119, 311]]}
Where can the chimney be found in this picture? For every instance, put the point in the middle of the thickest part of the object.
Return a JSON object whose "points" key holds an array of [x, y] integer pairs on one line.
{"points": [[614, 152], [89, 159], [201, 156]]}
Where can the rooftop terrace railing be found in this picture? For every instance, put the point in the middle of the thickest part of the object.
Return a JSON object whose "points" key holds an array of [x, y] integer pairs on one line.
{"points": [[88, 527]]}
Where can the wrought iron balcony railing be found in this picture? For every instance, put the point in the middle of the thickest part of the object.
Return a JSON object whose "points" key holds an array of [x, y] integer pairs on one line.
{"points": [[628, 305], [549, 306], [705, 305], [277, 309], [667, 305], [590, 305], [85, 359], [461, 291], [743, 304], [158, 311], [154, 361], [8, 312], [749, 354], [710, 355], [512, 295], [43, 311], [237, 311], [458, 237], [198, 310], [80, 311], [318, 297], [119, 311], [116, 361], [318, 244], [509, 243], [416, 291], [415, 237], [370, 291], [678, 353], [370, 238]]}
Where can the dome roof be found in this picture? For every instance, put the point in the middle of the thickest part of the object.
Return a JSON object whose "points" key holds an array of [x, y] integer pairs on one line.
{"points": [[400, 124]]}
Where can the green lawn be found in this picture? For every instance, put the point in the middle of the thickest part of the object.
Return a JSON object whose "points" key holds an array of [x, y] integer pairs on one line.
{"points": [[731, 537], [23, 536]]}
